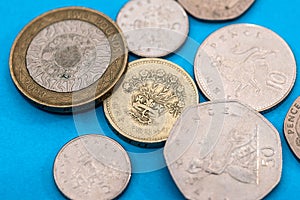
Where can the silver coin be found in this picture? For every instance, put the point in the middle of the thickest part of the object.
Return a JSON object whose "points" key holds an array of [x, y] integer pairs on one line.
{"points": [[68, 56], [92, 167], [224, 150], [216, 9], [245, 62], [153, 28], [292, 127]]}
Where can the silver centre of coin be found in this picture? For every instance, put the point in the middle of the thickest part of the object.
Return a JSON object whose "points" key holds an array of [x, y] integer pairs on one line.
{"points": [[92, 167], [68, 56], [245, 62], [153, 29], [224, 150]]}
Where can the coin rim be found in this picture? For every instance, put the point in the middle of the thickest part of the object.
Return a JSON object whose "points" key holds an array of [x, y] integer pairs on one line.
{"points": [[187, 6], [65, 107], [291, 143], [158, 55], [271, 188], [87, 136], [268, 106], [132, 65]]}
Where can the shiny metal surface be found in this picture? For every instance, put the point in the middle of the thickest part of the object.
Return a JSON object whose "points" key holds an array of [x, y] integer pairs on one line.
{"points": [[92, 167], [216, 10], [153, 28], [68, 56], [224, 150], [246, 62]]}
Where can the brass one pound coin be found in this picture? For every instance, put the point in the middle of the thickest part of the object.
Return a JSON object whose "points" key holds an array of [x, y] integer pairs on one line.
{"points": [[68, 58], [148, 100]]}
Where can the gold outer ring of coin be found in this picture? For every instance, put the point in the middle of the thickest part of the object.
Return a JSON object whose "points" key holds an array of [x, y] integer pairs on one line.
{"points": [[159, 139], [68, 101]]}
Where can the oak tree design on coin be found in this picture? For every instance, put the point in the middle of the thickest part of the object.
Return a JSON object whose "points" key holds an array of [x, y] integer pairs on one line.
{"points": [[292, 127], [245, 62], [153, 29], [216, 9], [68, 58], [92, 167], [224, 150], [149, 99]]}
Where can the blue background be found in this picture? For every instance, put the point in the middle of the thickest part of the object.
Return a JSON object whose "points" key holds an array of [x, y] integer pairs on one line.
{"points": [[30, 138]]}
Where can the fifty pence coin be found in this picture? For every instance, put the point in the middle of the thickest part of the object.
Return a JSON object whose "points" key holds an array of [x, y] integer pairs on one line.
{"points": [[292, 127], [68, 58], [224, 150], [147, 101], [153, 28], [216, 9], [246, 62], [92, 167]]}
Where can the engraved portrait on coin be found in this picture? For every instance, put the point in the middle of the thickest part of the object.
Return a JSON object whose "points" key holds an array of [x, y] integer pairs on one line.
{"points": [[245, 62], [292, 127], [92, 167], [216, 9], [224, 150], [68, 59], [149, 99], [153, 29]]}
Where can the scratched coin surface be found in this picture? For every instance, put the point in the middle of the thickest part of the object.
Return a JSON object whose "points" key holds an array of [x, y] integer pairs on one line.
{"points": [[216, 9], [246, 62], [149, 98], [68, 57], [292, 127], [224, 150], [92, 167], [153, 29]]}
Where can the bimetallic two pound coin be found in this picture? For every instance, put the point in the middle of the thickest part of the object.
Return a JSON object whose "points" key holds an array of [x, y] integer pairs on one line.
{"points": [[216, 10], [92, 167], [153, 28], [292, 127], [148, 100], [68, 58], [224, 150], [246, 62]]}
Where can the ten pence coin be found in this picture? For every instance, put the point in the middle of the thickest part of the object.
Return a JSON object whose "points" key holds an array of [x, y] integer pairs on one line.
{"points": [[92, 167], [147, 101], [68, 58], [246, 62], [292, 127]]}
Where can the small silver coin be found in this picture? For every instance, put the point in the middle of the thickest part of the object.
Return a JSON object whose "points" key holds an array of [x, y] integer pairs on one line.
{"points": [[224, 150], [153, 29], [246, 62], [92, 167], [216, 9]]}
